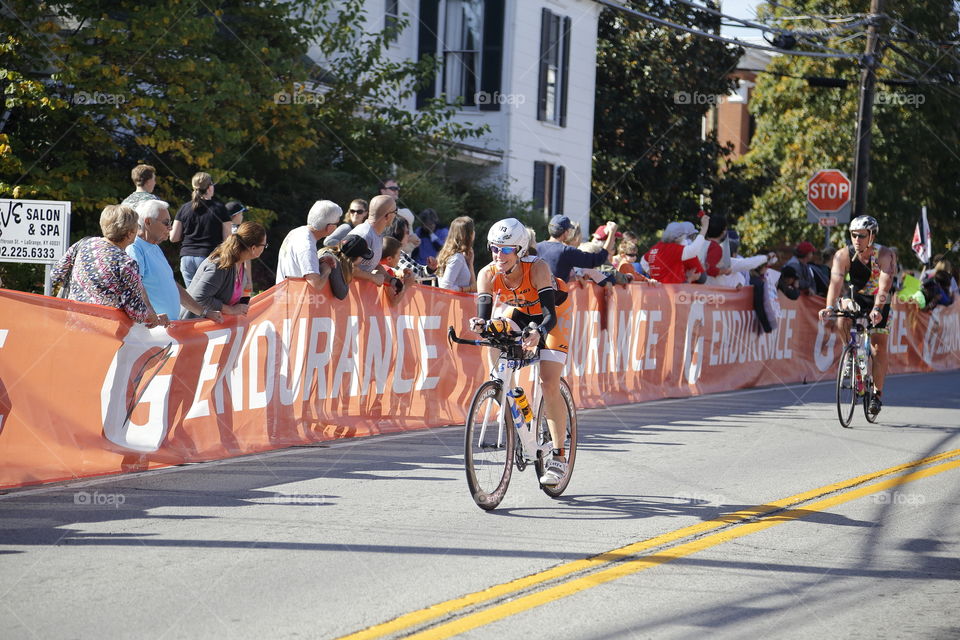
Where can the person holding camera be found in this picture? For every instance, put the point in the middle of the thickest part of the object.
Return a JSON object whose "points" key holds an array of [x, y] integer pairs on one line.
{"points": [[397, 280], [218, 282]]}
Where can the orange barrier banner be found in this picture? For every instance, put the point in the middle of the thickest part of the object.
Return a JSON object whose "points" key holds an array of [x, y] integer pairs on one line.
{"points": [[84, 392]]}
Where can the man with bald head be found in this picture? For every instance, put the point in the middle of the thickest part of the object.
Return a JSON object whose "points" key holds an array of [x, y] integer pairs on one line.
{"points": [[383, 209]]}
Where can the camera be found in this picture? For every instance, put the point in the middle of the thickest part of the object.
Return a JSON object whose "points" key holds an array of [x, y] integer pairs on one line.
{"points": [[396, 283]]}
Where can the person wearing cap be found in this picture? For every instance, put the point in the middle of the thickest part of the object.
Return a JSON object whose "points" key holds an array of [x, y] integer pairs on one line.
{"points": [[602, 239], [800, 262], [562, 258], [298, 254], [383, 210], [740, 267], [671, 261], [236, 211], [347, 253], [431, 234]]}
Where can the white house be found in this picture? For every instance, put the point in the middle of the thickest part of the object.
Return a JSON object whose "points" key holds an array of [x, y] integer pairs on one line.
{"points": [[525, 68]]}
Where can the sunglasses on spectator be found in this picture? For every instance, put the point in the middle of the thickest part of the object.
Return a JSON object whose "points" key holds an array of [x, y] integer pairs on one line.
{"points": [[494, 249], [859, 235], [264, 245], [630, 255], [357, 210], [167, 223], [393, 188]]}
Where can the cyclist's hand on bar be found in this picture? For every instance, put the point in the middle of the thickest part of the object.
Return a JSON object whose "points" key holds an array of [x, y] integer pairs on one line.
{"points": [[477, 325], [531, 337]]}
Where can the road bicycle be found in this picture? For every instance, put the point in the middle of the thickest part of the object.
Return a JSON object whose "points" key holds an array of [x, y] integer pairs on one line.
{"points": [[855, 371], [502, 432]]}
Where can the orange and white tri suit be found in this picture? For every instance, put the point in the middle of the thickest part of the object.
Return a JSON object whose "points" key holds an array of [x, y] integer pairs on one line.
{"points": [[524, 303]]}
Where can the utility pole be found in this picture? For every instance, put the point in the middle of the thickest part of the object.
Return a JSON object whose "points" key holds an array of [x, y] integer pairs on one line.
{"points": [[868, 82]]}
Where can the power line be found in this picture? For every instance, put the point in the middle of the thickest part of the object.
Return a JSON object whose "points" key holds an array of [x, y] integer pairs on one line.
{"points": [[740, 43], [785, 34]]}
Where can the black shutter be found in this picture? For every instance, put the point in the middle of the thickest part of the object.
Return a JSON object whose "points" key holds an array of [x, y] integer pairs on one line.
{"points": [[560, 174], [544, 63], [539, 186], [427, 45], [492, 55], [565, 70]]}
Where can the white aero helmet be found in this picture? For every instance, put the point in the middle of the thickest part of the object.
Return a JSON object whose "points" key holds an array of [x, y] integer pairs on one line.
{"points": [[509, 231], [864, 222]]}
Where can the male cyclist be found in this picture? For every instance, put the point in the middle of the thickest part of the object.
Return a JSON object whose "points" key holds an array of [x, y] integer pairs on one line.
{"points": [[871, 268], [526, 285]]}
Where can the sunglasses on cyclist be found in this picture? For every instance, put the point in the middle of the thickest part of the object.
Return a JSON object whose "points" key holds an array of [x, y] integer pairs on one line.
{"points": [[494, 249], [859, 235]]}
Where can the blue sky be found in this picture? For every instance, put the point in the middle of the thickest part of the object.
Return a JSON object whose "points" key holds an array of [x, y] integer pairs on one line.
{"points": [[741, 9]]}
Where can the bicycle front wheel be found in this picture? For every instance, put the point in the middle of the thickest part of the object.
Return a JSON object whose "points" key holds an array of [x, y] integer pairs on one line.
{"points": [[488, 446], [569, 445], [868, 392], [848, 376]]}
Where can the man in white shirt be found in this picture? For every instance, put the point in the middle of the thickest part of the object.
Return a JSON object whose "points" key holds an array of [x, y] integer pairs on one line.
{"points": [[298, 253], [383, 209]]}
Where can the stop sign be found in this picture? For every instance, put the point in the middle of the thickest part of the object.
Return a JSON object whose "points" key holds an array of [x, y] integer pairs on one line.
{"points": [[828, 190]]}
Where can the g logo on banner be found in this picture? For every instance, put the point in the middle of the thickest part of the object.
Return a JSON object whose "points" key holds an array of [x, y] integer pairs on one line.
{"points": [[132, 380], [824, 348], [693, 344]]}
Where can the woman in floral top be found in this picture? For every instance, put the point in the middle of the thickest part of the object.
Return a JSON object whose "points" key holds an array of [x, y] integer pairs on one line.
{"points": [[101, 272]]}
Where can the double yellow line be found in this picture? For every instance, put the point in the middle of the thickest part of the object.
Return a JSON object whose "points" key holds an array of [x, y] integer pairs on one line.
{"points": [[483, 607]]}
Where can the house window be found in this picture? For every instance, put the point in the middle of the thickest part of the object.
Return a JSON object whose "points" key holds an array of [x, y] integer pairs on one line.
{"points": [[548, 188], [466, 38], [462, 49], [554, 68], [391, 15]]}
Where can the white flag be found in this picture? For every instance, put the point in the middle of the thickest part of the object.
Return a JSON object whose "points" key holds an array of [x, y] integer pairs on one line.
{"points": [[921, 239]]}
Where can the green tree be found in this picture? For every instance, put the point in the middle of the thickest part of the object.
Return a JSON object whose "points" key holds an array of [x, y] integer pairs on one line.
{"points": [[654, 86], [914, 156], [91, 88]]}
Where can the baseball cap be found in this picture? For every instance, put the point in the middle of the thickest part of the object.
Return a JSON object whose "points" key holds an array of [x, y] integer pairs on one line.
{"points": [[805, 248], [687, 228], [234, 207], [356, 247], [337, 236], [673, 232], [601, 232], [558, 225]]}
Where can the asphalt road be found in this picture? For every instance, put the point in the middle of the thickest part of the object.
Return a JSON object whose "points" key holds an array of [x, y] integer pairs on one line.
{"points": [[747, 514]]}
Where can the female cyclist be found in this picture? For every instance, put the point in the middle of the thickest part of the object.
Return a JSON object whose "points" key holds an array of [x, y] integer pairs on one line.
{"points": [[537, 300]]}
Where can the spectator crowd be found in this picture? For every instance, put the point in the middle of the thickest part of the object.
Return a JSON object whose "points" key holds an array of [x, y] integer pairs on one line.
{"points": [[389, 246]]}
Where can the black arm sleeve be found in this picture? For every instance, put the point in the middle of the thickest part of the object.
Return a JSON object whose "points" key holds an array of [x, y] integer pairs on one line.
{"points": [[484, 306], [548, 302]]}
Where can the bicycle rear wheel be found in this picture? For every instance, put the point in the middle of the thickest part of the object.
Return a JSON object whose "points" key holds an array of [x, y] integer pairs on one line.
{"points": [[848, 375], [569, 445], [488, 450]]}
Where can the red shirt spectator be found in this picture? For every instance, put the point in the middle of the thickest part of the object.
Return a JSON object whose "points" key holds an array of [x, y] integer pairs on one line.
{"points": [[667, 264]]}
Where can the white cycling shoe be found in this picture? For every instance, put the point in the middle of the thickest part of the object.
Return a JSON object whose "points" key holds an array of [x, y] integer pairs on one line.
{"points": [[554, 473]]}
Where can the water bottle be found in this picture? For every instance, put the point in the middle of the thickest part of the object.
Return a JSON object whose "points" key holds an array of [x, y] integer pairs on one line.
{"points": [[523, 420]]}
